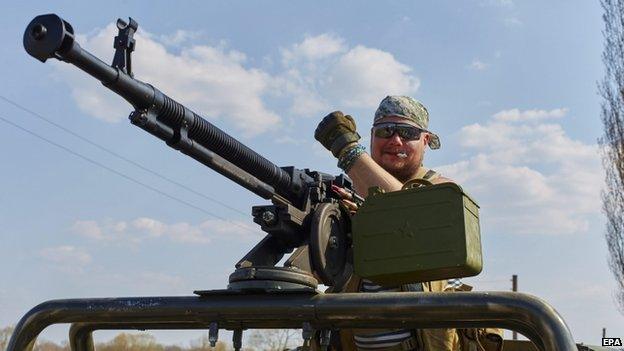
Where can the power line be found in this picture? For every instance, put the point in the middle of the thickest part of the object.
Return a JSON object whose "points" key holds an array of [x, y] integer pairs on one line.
{"points": [[114, 171], [121, 157]]}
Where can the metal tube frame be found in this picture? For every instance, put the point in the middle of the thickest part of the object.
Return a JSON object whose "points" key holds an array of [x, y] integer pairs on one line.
{"points": [[81, 334], [524, 313]]}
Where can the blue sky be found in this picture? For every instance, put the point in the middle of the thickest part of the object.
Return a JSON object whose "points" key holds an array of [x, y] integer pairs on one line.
{"points": [[510, 85]]}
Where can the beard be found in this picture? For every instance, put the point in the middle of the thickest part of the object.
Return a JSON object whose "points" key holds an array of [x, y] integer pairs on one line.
{"points": [[403, 171], [403, 174]]}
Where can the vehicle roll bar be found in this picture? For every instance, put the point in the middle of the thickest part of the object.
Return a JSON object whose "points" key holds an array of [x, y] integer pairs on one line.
{"points": [[523, 313]]}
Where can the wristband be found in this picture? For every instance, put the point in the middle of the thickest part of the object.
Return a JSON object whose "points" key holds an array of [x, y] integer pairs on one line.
{"points": [[347, 159]]}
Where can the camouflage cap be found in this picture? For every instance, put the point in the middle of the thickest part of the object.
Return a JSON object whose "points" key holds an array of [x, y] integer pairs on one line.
{"points": [[408, 108]]}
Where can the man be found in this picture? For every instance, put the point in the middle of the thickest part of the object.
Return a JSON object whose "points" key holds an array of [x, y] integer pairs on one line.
{"points": [[398, 140], [399, 137]]}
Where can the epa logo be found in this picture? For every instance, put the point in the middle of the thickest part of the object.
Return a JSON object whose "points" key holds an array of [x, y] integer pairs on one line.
{"points": [[611, 342]]}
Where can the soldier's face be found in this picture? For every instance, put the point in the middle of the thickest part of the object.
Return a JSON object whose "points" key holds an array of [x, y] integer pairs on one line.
{"points": [[398, 156]]}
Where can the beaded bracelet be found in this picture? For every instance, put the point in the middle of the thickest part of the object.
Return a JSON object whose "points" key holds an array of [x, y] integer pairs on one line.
{"points": [[347, 159]]}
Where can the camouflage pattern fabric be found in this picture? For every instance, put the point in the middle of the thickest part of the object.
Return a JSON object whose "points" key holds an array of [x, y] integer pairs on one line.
{"points": [[408, 108]]}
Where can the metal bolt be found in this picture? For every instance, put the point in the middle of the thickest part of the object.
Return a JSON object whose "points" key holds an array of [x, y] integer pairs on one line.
{"points": [[237, 339], [268, 217], [333, 242], [138, 117], [213, 334], [306, 334]]}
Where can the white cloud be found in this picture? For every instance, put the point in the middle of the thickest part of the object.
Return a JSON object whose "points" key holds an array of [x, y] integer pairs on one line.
{"points": [[477, 65], [529, 176], [301, 88], [223, 229], [90, 229], [363, 76], [512, 22], [317, 73], [151, 226], [213, 81], [335, 75], [65, 255], [179, 37], [314, 48], [144, 228], [515, 115]]}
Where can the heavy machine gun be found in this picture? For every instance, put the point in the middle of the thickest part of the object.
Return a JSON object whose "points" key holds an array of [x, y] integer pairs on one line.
{"points": [[304, 218], [305, 215]]}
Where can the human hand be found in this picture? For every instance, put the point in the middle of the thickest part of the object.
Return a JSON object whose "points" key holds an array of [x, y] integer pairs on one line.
{"points": [[336, 131]]}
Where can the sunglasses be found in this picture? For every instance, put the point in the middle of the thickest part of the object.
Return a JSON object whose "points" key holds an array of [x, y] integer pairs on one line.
{"points": [[405, 131]]}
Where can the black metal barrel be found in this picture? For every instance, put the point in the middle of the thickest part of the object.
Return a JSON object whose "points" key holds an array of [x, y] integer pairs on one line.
{"points": [[49, 36]]}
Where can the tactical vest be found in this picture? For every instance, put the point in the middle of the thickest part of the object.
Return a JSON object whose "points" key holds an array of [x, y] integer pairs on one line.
{"points": [[428, 339]]}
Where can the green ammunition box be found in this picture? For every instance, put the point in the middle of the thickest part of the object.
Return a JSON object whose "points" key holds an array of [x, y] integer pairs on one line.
{"points": [[417, 235]]}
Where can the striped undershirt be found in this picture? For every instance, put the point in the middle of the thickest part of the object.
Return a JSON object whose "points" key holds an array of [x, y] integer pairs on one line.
{"points": [[380, 340], [391, 337]]}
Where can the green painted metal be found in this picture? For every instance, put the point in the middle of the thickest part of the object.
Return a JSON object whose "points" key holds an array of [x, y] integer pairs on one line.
{"points": [[417, 235]]}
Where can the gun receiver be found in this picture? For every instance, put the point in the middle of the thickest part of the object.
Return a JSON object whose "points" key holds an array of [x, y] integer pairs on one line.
{"points": [[305, 214]]}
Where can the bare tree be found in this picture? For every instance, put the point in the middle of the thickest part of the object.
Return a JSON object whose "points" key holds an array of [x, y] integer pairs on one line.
{"points": [[612, 142], [131, 342], [274, 339], [5, 335], [203, 344], [121, 342], [46, 345]]}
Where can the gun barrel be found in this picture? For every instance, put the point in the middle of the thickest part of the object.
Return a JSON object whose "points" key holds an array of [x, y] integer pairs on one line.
{"points": [[49, 36]]}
